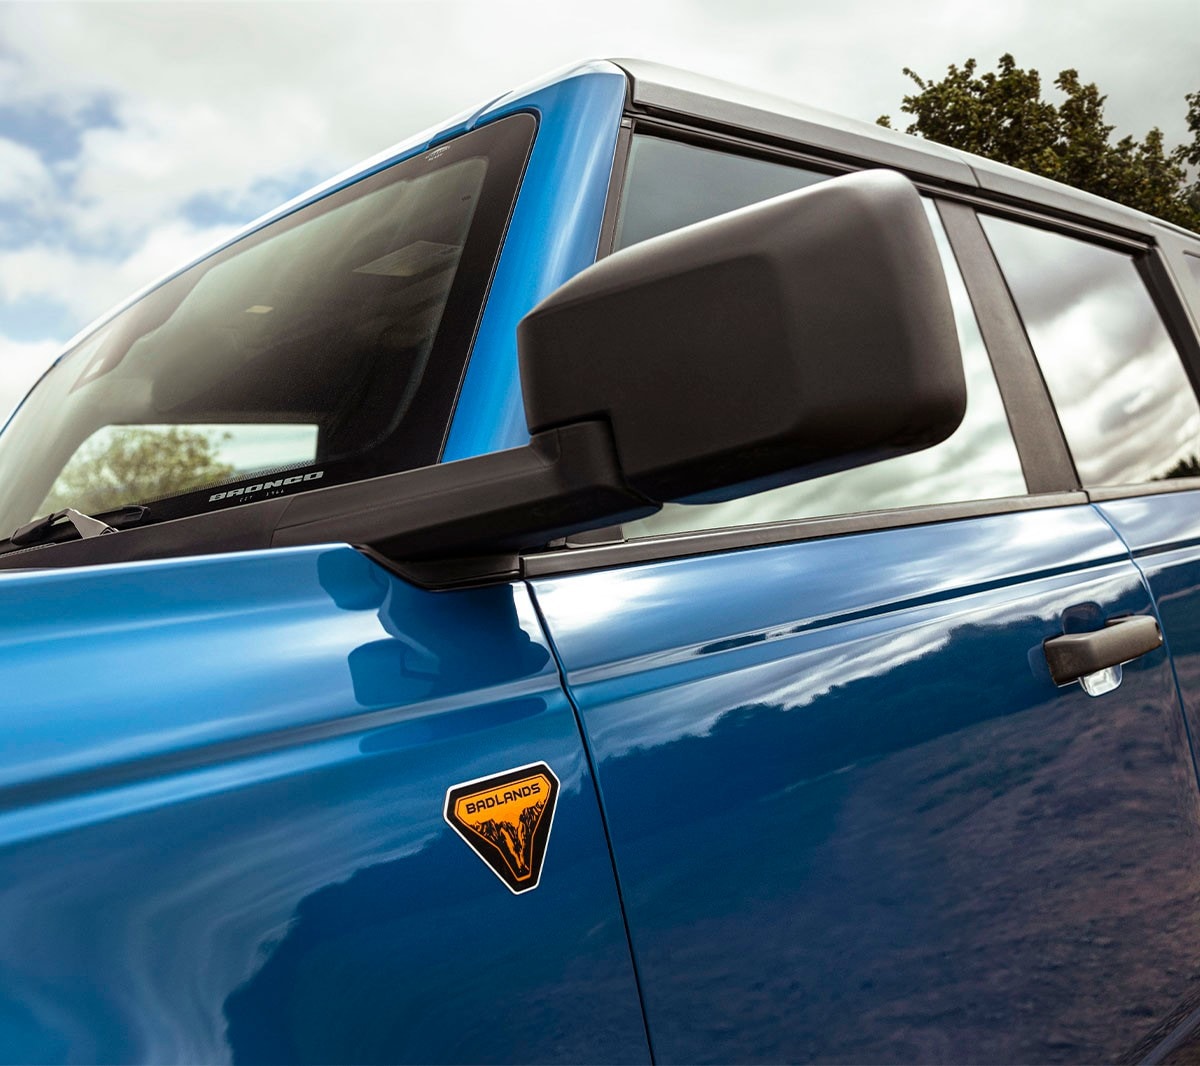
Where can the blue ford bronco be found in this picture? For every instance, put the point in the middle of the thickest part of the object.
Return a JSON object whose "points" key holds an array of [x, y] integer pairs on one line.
{"points": [[645, 572]]}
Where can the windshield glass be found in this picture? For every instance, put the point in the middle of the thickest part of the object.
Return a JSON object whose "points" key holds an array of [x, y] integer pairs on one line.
{"points": [[327, 346]]}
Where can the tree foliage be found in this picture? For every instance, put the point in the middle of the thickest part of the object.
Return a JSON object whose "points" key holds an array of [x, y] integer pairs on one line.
{"points": [[129, 464], [1002, 116]]}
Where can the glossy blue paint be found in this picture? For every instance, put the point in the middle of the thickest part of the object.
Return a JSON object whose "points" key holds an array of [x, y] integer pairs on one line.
{"points": [[854, 819], [553, 235], [221, 833], [1168, 521]]}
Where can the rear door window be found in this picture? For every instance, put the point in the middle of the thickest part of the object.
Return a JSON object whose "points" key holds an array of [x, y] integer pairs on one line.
{"points": [[1126, 405]]}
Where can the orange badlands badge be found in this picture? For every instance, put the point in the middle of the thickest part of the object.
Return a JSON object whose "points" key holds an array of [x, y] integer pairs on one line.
{"points": [[505, 819]]}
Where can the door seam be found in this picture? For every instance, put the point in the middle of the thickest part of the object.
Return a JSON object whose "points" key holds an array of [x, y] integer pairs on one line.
{"points": [[1187, 729], [612, 855]]}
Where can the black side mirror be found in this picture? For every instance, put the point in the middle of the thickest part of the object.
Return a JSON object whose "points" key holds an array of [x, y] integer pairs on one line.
{"points": [[792, 338]]}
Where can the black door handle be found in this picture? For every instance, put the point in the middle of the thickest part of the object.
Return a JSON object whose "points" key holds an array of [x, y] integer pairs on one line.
{"points": [[1075, 655]]}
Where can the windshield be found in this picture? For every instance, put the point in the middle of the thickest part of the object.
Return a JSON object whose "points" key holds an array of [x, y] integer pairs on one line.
{"points": [[326, 347]]}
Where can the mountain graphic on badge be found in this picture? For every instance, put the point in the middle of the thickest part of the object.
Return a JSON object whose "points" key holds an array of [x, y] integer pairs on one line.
{"points": [[506, 819]]}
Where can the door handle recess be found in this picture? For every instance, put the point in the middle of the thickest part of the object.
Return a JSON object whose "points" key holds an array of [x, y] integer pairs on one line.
{"points": [[1074, 656]]}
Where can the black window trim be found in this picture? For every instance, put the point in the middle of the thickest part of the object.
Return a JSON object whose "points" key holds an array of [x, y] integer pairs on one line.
{"points": [[616, 182], [1032, 419], [1118, 240], [1184, 279], [581, 555], [1173, 311], [771, 150]]}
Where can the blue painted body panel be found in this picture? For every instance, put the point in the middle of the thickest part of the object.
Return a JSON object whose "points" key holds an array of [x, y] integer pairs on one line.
{"points": [[221, 833], [852, 817], [553, 235]]}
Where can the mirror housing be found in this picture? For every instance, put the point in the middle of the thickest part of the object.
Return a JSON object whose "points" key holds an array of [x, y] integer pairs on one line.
{"points": [[783, 341]]}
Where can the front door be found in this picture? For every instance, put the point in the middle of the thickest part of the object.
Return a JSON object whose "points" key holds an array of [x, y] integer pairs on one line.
{"points": [[855, 819]]}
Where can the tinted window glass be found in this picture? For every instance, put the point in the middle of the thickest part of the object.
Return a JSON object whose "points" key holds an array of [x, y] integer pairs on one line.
{"points": [[979, 461], [669, 185], [119, 465], [331, 341], [1124, 400]]}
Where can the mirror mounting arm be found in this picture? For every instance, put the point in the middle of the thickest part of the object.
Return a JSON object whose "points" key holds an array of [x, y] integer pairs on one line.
{"points": [[566, 479]]}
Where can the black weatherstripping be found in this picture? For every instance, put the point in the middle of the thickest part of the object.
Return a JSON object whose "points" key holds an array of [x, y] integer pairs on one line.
{"points": [[713, 105], [584, 553], [1168, 303], [616, 181]]}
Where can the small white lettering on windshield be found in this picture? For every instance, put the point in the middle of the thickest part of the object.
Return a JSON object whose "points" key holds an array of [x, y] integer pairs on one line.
{"points": [[266, 486]]}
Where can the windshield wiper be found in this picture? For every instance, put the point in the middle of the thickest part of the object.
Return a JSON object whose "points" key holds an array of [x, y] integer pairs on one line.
{"points": [[51, 526]]}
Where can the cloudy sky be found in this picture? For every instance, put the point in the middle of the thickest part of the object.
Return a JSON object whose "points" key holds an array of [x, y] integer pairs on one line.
{"points": [[132, 136]]}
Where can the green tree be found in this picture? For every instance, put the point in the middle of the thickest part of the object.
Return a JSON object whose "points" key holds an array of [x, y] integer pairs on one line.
{"points": [[130, 464], [1002, 115]]}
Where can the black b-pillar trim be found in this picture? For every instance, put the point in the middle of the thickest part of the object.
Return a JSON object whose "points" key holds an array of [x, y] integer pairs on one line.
{"points": [[1036, 432]]}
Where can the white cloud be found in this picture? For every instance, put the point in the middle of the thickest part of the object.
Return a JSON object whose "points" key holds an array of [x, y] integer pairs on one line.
{"points": [[131, 178], [211, 95], [24, 178], [88, 285]]}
